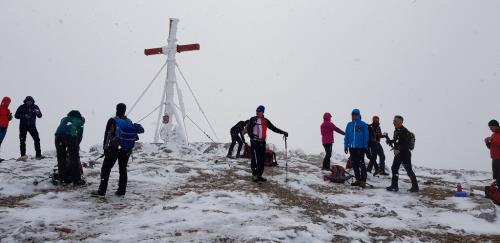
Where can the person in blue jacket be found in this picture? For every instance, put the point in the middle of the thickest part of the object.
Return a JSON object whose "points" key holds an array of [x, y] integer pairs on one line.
{"points": [[356, 143], [27, 114]]}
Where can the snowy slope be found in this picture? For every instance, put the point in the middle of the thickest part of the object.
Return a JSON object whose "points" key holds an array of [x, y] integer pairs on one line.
{"points": [[193, 194]]}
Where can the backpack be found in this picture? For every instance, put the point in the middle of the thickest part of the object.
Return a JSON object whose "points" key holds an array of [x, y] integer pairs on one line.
{"points": [[338, 174], [411, 140], [247, 152], [126, 133], [492, 192], [270, 159]]}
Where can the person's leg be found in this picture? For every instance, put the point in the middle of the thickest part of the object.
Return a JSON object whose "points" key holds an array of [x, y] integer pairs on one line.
{"points": [[395, 170], [123, 157], [253, 164], [240, 145], [409, 171], [74, 160], [328, 155], [36, 138], [3, 131], [108, 163], [62, 163], [496, 170], [362, 165], [355, 163], [231, 147], [22, 140], [261, 157], [381, 156]]}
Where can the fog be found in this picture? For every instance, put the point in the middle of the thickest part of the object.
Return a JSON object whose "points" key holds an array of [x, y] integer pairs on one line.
{"points": [[437, 63]]}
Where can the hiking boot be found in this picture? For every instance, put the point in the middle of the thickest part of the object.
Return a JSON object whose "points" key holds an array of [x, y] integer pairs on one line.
{"points": [[39, 157], [255, 179], [362, 184], [392, 189], [230, 157], [413, 189], [120, 193], [260, 178], [80, 182], [383, 173], [358, 183], [23, 158], [97, 193]]}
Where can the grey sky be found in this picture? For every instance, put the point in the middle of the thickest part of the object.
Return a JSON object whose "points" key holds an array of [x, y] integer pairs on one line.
{"points": [[437, 63]]}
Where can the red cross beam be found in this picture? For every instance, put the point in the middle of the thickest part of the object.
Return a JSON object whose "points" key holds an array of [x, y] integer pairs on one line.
{"points": [[180, 48]]}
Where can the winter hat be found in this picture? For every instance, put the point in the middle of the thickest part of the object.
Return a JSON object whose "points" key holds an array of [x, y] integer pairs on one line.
{"points": [[75, 113], [261, 108], [327, 115], [493, 123], [5, 101], [120, 109], [29, 98], [376, 119], [356, 112]]}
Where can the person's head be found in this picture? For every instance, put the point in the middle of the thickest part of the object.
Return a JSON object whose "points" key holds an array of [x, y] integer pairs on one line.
{"points": [[494, 126], [121, 109], [355, 114], [5, 101], [327, 116], [260, 111], [77, 114], [29, 101], [376, 120], [398, 121]]}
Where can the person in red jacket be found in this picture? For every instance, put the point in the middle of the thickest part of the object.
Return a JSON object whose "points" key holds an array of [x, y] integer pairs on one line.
{"points": [[493, 143], [327, 128], [5, 118]]}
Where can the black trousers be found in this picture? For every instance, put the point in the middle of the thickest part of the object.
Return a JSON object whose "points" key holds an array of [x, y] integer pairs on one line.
{"points": [[328, 155], [403, 158], [495, 164], [376, 150], [258, 157], [23, 132], [358, 163], [110, 158], [68, 158], [235, 138]]}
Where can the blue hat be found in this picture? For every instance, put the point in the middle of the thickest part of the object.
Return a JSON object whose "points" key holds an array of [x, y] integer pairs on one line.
{"points": [[356, 112], [261, 108]]}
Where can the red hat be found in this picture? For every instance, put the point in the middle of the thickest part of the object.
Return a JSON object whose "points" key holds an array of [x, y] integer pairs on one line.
{"points": [[375, 119]]}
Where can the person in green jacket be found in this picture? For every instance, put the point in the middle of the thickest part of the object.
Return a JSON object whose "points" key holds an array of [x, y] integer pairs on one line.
{"points": [[68, 135]]}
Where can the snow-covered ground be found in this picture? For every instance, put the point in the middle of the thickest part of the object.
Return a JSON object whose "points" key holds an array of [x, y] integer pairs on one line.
{"points": [[193, 194]]}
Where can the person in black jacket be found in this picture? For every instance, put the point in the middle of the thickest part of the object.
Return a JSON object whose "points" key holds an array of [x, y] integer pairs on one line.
{"points": [[375, 148], [118, 144], [237, 136], [402, 155], [27, 114], [257, 131]]}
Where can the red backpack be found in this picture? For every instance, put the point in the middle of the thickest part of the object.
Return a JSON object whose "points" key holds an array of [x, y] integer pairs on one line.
{"points": [[493, 192], [270, 158], [247, 152], [338, 174]]}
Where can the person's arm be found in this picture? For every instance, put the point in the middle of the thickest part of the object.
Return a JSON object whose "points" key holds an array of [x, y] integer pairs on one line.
{"points": [[338, 130], [109, 133], [250, 129], [10, 115], [366, 135], [274, 129], [80, 131], [242, 136], [38, 112], [19, 112]]}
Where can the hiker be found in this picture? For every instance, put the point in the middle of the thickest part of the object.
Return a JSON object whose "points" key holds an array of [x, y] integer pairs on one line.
{"points": [[5, 118], [402, 155], [356, 143], [166, 131], [27, 114], [493, 143], [68, 136], [375, 148], [257, 131], [119, 140], [237, 132], [327, 128]]}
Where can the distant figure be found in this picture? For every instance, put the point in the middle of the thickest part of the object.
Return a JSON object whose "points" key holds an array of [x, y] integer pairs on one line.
{"points": [[402, 155], [327, 128], [257, 131], [68, 136], [237, 132], [375, 148], [356, 143], [493, 143], [5, 118], [119, 140], [167, 129], [27, 114]]}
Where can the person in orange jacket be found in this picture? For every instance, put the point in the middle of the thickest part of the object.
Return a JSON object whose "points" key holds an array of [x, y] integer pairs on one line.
{"points": [[493, 143], [5, 118]]}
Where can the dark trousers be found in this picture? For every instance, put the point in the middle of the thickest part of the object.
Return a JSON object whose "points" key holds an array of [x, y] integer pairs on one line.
{"points": [[258, 157], [3, 132], [495, 164], [358, 163], [403, 158], [376, 150], [68, 158], [328, 156], [23, 131], [235, 138], [110, 159]]}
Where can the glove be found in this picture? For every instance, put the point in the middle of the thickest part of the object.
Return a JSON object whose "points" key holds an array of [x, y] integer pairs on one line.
{"points": [[346, 150]]}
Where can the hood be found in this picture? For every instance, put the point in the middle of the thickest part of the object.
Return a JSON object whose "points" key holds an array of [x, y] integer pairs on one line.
{"points": [[5, 101], [29, 98], [75, 113], [357, 112], [327, 116]]}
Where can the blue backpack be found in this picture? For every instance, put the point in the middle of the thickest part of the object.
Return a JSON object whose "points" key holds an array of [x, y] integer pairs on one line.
{"points": [[126, 133]]}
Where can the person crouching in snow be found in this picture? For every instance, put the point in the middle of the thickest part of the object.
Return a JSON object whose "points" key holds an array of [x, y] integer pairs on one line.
{"points": [[5, 118], [237, 136], [68, 135], [493, 143], [327, 128], [257, 131]]}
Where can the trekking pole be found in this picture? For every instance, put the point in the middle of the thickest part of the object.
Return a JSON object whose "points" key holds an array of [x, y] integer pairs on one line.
{"points": [[38, 181], [286, 159]]}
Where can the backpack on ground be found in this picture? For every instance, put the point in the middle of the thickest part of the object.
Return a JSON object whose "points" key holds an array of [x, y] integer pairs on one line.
{"points": [[493, 192], [270, 159], [411, 140], [338, 174], [126, 133], [348, 164], [247, 152]]}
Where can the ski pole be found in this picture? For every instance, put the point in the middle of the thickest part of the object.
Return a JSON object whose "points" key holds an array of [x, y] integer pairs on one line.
{"points": [[286, 159]]}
